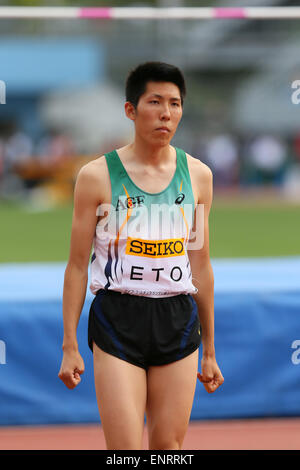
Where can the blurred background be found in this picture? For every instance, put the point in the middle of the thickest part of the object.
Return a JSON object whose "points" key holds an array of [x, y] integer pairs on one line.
{"points": [[64, 106]]}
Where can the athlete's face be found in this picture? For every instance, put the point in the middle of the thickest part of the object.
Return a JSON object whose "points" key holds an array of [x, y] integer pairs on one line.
{"points": [[157, 114]]}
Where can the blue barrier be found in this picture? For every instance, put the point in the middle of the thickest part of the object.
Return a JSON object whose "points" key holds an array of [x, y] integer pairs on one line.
{"points": [[257, 317]]}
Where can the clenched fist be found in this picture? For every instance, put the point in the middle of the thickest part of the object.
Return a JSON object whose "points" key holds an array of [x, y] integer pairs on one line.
{"points": [[72, 367], [211, 376]]}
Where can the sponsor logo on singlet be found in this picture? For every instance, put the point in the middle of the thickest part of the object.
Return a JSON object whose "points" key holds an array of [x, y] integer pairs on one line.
{"points": [[155, 248], [130, 202], [179, 198]]}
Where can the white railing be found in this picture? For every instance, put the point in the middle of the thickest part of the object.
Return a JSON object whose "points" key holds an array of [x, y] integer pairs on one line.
{"points": [[124, 13]]}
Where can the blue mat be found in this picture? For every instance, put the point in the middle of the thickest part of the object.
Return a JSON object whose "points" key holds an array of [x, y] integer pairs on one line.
{"points": [[257, 318]]}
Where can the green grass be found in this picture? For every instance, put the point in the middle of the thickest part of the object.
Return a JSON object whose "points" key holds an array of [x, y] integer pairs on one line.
{"points": [[250, 231], [236, 230], [34, 236]]}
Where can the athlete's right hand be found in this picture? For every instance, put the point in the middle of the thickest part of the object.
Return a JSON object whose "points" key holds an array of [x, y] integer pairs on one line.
{"points": [[72, 366]]}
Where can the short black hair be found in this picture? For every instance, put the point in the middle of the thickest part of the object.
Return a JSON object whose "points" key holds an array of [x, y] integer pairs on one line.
{"points": [[152, 72]]}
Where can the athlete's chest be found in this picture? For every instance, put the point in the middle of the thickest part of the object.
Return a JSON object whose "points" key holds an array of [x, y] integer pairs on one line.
{"points": [[152, 181]]}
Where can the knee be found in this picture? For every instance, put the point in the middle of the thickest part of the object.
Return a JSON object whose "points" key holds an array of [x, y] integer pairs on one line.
{"points": [[159, 441], [123, 442], [165, 445]]}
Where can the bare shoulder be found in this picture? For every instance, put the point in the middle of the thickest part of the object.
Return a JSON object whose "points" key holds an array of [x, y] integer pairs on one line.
{"points": [[199, 169], [93, 178], [201, 179], [93, 171]]}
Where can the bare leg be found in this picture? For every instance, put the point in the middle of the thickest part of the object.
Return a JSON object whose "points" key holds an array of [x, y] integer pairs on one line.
{"points": [[171, 390], [121, 395]]}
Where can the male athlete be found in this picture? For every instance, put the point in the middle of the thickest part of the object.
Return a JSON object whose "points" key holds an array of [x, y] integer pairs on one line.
{"points": [[154, 294]]}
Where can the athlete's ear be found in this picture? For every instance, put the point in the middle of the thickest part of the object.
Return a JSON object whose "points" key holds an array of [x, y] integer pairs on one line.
{"points": [[130, 110]]}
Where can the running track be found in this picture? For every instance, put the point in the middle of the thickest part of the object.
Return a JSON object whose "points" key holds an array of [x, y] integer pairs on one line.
{"points": [[254, 434]]}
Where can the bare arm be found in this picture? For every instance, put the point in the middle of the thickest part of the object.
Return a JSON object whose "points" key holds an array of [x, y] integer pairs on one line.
{"points": [[203, 279], [86, 201]]}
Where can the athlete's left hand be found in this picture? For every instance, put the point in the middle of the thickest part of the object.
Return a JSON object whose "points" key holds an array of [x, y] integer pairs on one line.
{"points": [[211, 376]]}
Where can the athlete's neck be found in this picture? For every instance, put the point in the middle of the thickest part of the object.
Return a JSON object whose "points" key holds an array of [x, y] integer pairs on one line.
{"points": [[151, 155]]}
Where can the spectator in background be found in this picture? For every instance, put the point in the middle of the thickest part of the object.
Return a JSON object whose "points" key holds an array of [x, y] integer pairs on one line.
{"points": [[2, 150], [297, 147], [15, 150], [267, 159], [221, 155], [18, 149], [291, 183], [199, 146], [55, 148]]}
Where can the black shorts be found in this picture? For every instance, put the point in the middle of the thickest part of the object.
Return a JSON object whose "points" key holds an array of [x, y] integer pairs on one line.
{"points": [[142, 330]]}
